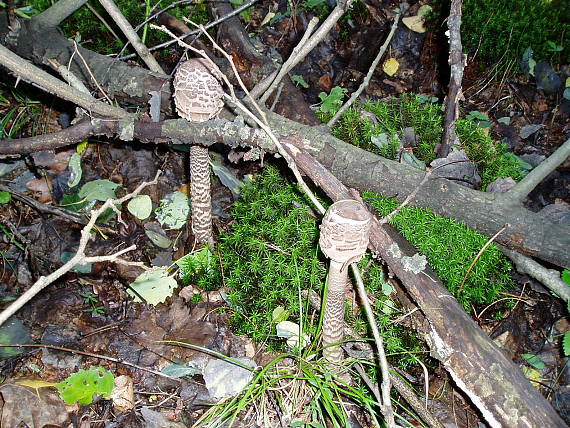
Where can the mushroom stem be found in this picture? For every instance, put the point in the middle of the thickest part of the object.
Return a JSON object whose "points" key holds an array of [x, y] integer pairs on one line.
{"points": [[344, 239], [333, 318], [200, 195]]}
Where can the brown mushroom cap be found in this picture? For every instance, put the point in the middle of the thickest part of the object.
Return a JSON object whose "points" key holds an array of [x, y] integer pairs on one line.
{"points": [[198, 95]]}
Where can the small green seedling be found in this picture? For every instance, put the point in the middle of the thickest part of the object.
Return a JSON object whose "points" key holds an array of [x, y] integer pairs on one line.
{"points": [[330, 103]]}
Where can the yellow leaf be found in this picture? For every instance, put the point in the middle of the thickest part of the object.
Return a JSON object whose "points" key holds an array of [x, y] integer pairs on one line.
{"points": [[533, 376], [35, 383], [391, 66], [568, 82], [415, 23], [267, 18]]}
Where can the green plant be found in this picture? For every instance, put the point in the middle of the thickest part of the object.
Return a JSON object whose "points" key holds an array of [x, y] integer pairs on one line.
{"points": [[450, 248], [80, 387], [500, 30], [86, 28], [383, 135], [92, 300], [21, 110]]}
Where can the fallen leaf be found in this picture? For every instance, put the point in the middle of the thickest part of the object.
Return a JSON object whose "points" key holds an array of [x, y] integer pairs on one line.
{"points": [[391, 66], [123, 395], [415, 23], [41, 188]]}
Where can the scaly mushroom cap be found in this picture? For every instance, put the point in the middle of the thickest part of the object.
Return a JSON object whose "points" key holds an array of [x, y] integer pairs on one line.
{"points": [[198, 95], [344, 231]]}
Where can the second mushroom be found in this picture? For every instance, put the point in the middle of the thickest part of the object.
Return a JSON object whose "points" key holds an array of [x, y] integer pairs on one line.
{"points": [[344, 239], [198, 96]]}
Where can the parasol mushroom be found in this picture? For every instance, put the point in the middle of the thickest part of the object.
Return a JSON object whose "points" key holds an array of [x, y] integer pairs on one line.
{"points": [[344, 239], [198, 96]]}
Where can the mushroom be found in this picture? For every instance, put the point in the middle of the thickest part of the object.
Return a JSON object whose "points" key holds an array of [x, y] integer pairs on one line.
{"points": [[344, 238], [198, 96]]}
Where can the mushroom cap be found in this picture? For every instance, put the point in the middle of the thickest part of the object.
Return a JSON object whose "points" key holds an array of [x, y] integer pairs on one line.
{"points": [[198, 95], [345, 231]]}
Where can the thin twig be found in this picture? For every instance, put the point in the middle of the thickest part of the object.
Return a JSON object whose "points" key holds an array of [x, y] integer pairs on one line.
{"points": [[297, 55], [133, 37], [79, 257], [92, 355], [368, 77], [520, 190], [44, 208], [406, 201], [208, 26], [386, 406], [478, 256], [51, 84], [90, 73]]}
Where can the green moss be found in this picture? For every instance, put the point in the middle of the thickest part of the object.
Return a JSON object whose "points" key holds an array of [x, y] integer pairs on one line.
{"points": [[450, 248], [499, 30], [394, 116]]}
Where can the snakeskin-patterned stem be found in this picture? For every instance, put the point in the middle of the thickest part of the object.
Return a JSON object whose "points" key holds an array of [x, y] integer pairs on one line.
{"points": [[344, 239], [333, 320], [201, 199]]}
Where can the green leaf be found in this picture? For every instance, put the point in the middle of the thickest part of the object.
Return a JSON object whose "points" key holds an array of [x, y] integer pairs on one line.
{"points": [[227, 178], [534, 361], [180, 370], [566, 343], [566, 93], [173, 210], [5, 197], [140, 206], [332, 102], [312, 3], [98, 190], [298, 80], [387, 289], [76, 171], [154, 286], [279, 314], [158, 239], [195, 263], [81, 386], [566, 276]]}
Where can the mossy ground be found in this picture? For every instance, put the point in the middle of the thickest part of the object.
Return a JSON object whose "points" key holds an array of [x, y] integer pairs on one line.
{"points": [[272, 254], [426, 118]]}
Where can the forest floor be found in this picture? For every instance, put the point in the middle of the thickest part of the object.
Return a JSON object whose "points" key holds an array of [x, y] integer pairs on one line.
{"points": [[92, 312]]}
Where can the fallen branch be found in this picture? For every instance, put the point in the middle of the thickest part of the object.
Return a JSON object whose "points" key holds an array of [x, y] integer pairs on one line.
{"points": [[456, 63], [80, 257]]}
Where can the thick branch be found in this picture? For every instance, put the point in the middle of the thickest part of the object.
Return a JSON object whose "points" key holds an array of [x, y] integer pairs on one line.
{"points": [[520, 190], [54, 15], [454, 94], [55, 86], [528, 232]]}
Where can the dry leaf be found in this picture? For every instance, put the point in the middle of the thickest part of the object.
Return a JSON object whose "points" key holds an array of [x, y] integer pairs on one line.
{"points": [[391, 66], [415, 23], [123, 394]]}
